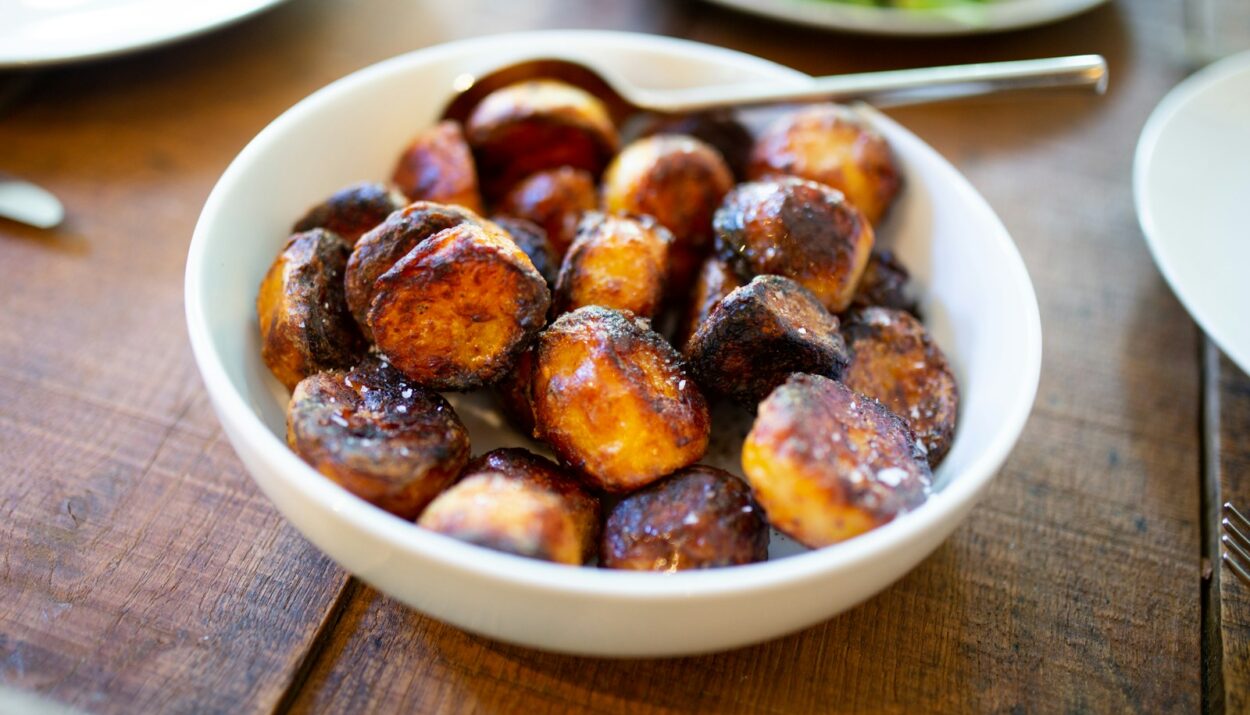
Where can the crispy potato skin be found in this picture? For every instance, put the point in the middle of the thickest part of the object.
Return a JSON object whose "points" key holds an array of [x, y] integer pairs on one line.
{"points": [[304, 323], [532, 240], [536, 125], [515, 393], [515, 501], [717, 128], [612, 399], [554, 199], [438, 166], [798, 229], [680, 181], [389, 442], [760, 334], [352, 211], [616, 262], [379, 249], [699, 518], [716, 279], [884, 283], [829, 144], [827, 463], [897, 363], [455, 312]]}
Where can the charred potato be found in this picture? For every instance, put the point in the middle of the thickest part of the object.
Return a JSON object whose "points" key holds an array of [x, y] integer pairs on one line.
{"points": [[379, 249], [827, 463], [515, 394], [352, 211], [455, 312], [716, 280], [537, 125], [532, 240], [716, 127], [514, 501], [798, 229], [304, 323], [554, 199], [389, 442], [612, 399], [897, 363], [698, 518], [680, 181], [760, 334], [616, 262], [884, 283], [829, 144], [438, 166]]}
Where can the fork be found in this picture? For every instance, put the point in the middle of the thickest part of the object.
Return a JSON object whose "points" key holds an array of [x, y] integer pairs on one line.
{"points": [[1236, 541]]}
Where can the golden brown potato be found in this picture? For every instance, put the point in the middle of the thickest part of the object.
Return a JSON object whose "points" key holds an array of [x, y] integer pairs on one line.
{"points": [[895, 362], [830, 144], [352, 211], [304, 323], [455, 312], [680, 181], [514, 501], [698, 518], [827, 463], [536, 125], [612, 399], [532, 239], [616, 262], [717, 127], [554, 199], [760, 334], [884, 283], [379, 249], [438, 166], [798, 229], [389, 442], [716, 279], [515, 394]]}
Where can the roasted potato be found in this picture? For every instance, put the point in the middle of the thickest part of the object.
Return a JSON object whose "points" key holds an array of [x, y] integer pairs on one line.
{"points": [[884, 283], [380, 437], [612, 399], [716, 127], [455, 312], [514, 501], [536, 125], [798, 229], [352, 211], [616, 261], [532, 240], [716, 279], [827, 463], [680, 181], [379, 249], [554, 199], [699, 518], [896, 363], [830, 144], [515, 393], [760, 334], [438, 166], [304, 323]]}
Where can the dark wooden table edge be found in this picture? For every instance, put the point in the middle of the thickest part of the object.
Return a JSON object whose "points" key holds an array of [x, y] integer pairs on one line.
{"points": [[1212, 647]]}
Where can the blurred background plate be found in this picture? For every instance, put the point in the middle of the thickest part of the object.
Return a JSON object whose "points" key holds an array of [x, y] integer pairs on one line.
{"points": [[41, 32], [953, 18]]}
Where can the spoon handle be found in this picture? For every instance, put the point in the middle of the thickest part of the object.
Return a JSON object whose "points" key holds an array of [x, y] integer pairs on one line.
{"points": [[894, 87]]}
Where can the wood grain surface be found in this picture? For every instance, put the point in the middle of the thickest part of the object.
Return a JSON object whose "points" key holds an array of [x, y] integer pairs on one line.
{"points": [[143, 571], [1228, 656]]}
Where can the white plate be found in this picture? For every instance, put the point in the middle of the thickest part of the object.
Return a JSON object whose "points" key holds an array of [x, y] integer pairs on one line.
{"points": [[976, 294], [41, 32], [960, 20], [1191, 184]]}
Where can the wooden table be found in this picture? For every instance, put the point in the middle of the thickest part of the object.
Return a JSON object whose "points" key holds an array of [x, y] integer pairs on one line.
{"points": [[143, 571]]}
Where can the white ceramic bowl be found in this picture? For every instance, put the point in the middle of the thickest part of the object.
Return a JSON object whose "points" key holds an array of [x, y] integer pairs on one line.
{"points": [[976, 293]]}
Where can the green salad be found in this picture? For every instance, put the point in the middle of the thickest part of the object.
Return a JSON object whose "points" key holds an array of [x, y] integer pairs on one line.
{"points": [[915, 4]]}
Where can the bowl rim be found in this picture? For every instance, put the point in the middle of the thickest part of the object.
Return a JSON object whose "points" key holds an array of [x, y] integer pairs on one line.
{"points": [[485, 564]]}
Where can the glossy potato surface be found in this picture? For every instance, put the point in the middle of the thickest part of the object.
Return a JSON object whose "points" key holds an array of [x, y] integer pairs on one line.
{"points": [[378, 435], [438, 166], [352, 211], [616, 261], [612, 399], [827, 463], [304, 323], [828, 143], [701, 517], [718, 128], [715, 280], [798, 229], [896, 362], [884, 283], [554, 199], [456, 312], [533, 241], [515, 393], [760, 334]]}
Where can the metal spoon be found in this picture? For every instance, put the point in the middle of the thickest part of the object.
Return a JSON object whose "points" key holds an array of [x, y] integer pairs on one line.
{"points": [[888, 88], [30, 204]]}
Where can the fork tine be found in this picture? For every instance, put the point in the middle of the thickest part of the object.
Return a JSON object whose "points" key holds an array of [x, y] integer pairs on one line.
{"points": [[1237, 570], [1230, 530], [1231, 511]]}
